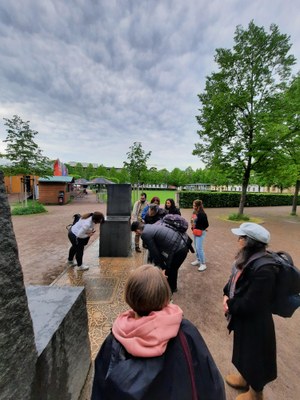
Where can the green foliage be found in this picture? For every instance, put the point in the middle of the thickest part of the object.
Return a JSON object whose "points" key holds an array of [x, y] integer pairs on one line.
{"points": [[231, 199], [32, 207], [241, 102], [238, 217], [137, 162], [24, 154]]}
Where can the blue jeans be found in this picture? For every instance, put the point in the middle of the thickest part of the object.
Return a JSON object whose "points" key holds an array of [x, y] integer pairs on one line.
{"points": [[198, 240]]}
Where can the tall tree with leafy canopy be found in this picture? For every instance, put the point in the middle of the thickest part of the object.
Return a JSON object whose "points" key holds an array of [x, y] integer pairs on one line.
{"points": [[241, 100], [23, 153], [284, 159], [137, 162]]}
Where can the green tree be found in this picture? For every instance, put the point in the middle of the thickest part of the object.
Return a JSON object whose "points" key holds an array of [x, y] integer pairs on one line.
{"points": [[24, 154], [285, 162], [240, 101], [137, 162]]}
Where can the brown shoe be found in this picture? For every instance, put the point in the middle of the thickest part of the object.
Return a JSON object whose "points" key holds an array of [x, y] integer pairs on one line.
{"points": [[250, 395], [138, 250], [236, 381]]}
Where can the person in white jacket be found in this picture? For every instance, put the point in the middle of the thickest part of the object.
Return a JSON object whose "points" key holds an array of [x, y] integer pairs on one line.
{"points": [[79, 235]]}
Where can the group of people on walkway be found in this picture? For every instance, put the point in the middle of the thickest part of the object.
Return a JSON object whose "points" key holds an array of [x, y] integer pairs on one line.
{"points": [[150, 213], [152, 352]]}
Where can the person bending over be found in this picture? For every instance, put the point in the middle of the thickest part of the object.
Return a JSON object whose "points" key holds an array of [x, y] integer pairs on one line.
{"points": [[79, 235]]}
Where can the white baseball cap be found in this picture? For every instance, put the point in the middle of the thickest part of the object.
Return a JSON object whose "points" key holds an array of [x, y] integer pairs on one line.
{"points": [[254, 231]]}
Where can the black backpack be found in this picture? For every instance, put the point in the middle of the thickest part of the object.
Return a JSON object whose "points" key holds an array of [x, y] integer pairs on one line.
{"points": [[76, 218], [179, 224], [176, 221], [287, 293]]}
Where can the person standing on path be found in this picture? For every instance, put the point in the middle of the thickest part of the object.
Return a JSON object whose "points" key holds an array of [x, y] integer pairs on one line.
{"points": [[79, 235], [247, 305], [199, 227], [138, 208], [171, 208]]}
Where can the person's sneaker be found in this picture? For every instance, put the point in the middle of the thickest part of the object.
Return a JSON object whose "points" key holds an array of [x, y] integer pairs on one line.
{"points": [[72, 263], [202, 267], [82, 268], [196, 262]]}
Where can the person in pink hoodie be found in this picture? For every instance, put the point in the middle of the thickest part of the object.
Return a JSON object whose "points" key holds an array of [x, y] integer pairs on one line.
{"points": [[153, 353]]}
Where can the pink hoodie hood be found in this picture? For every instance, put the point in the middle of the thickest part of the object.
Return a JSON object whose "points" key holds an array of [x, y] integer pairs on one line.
{"points": [[148, 336]]}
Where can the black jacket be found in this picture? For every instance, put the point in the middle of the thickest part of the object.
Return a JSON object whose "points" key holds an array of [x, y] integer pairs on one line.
{"points": [[201, 221], [254, 345], [163, 242], [120, 376]]}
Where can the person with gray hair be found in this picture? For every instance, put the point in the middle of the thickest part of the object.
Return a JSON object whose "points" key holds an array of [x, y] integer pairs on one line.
{"points": [[154, 214], [247, 305]]}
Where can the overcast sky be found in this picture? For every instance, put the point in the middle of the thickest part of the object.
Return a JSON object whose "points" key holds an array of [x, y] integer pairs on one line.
{"points": [[94, 76]]}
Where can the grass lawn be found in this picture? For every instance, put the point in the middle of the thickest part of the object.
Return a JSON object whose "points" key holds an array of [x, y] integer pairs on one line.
{"points": [[163, 195]]}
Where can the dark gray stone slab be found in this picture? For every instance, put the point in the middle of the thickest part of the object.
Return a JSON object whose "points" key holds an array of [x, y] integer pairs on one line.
{"points": [[115, 238], [61, 332], [119, 199], [48, 307]]}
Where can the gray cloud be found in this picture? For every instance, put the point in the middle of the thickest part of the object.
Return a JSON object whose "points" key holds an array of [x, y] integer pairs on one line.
{"points": [[95, 76]]}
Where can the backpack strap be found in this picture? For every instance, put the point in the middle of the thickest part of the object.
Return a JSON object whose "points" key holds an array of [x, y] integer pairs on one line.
{"points": [[188, 356]]}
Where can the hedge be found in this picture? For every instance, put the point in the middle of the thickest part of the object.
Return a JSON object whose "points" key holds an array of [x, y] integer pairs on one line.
{"points": [[232, 199]]}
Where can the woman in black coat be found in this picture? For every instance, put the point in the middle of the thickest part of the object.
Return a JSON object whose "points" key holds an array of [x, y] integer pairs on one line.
{"points": [[247, 305], [171, 208]]}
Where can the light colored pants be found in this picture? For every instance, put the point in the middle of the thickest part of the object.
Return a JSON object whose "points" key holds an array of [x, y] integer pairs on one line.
{"points": [[198, 240]]}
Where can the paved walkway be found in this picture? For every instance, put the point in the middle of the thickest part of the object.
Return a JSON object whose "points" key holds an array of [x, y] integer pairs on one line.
{"points": [[199, 295]]}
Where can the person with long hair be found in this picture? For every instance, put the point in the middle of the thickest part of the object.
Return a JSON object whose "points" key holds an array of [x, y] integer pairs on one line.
{"points": [[199, 227], [153, 352], [171, 208], [79, 235], [247, 305]]}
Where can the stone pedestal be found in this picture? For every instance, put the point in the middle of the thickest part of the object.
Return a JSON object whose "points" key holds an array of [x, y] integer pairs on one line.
{"points": [[44, 343], [60, 325], [115, 237]]}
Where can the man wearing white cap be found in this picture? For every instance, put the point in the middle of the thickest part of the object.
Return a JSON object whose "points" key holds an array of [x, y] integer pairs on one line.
{"points": [[247, 306]]}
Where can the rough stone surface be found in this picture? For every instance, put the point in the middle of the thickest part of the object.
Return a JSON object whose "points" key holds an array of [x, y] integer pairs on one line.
{"points": [[17, 349]]}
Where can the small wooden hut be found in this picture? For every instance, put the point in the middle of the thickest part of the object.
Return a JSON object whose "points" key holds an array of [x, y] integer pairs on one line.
{"points": [[55, 189]]}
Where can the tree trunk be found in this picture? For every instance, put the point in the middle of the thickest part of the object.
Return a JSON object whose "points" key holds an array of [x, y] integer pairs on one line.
{"points": [[245, 183], [295, 198]]}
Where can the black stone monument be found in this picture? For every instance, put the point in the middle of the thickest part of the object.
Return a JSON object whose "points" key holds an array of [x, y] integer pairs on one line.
{"points": [[115, 237]]}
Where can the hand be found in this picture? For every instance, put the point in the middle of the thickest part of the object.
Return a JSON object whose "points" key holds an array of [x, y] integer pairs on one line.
{"points": [[225, 305]]}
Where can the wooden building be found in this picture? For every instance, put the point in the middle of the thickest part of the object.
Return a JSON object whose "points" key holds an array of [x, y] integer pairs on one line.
{"points": [[55, 189]]}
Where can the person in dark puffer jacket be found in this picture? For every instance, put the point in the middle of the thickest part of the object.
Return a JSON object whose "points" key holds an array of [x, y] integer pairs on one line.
{"points": [[167, 247]]}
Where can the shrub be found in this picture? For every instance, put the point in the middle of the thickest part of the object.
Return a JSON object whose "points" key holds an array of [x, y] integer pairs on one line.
{"points": [[238, 217], [32, 208]]}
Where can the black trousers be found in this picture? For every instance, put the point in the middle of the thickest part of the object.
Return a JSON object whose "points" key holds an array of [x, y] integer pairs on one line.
{"points": [[77, 248], [173, 267]]}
